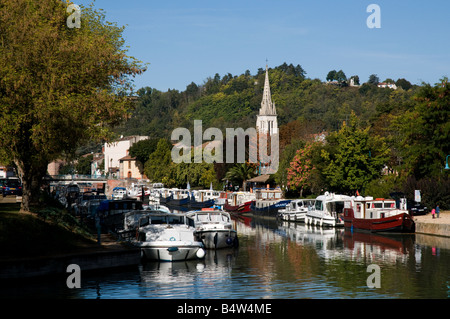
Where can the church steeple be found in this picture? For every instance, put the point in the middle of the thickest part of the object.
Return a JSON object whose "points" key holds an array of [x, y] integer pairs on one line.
{"points": [[266, 121], [267, 107]]}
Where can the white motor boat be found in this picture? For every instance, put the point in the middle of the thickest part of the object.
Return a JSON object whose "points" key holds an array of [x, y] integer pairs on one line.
{"points": [[214, 228], [163, 236], [296, 210], [329, 210]]}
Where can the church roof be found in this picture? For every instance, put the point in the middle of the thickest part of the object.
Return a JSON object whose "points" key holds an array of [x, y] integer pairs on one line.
{"points": [[267, 107]]}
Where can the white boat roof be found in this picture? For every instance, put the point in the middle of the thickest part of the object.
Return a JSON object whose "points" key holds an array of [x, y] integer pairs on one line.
{"points": [[331, 197]]}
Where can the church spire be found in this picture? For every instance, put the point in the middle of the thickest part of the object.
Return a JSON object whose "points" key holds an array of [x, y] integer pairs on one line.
{"points": [[267, 107]]}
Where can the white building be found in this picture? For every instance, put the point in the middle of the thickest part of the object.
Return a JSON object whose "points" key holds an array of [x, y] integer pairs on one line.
{"points": [[266, 121], [387, 85], [116, 150], [6, 171]]}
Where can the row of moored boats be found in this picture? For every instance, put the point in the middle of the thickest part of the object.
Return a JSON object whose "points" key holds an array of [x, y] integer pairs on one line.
{"points": [[354, 212], [164, 235]]}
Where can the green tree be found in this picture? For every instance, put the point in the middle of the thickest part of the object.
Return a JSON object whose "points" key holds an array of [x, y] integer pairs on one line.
{"points": [[404, 84], [373, 79], [340, 76], [83, 166], [424, 131], [353, 158], [60, 86], [159, 166], [240, 173], [142, 151], [331, 76]]}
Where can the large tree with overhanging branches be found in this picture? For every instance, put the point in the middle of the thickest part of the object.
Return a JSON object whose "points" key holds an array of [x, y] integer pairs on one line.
{"points": [[60, 85]]}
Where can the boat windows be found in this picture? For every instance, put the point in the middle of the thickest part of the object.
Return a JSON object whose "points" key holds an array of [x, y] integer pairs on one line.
{"points": [[319, 205], [158, 220], [175, 220]]}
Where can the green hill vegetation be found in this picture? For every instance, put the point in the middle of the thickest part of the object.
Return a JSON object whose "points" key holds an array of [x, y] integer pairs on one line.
{"points": [[378, 140]]}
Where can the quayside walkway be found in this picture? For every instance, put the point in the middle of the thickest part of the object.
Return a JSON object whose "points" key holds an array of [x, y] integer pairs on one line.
{"points": [[426, 224]]}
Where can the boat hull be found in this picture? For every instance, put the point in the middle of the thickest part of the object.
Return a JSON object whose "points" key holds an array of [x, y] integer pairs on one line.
{"points": [[296, 217], [172, 251], [269, 209], [325, 221], [401, 223], [217, 239], [242, 208]]}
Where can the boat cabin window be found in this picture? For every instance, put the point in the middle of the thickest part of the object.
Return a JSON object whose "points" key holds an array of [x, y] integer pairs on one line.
{"points": [[175, 220], [157, 220], [377, 205], [319, 205], [389, 205]]}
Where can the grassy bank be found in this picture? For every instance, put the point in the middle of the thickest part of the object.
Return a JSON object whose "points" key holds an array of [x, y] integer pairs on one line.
{"points": [[44, 232]]}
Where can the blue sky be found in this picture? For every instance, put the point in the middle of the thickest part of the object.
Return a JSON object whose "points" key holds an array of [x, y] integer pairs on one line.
{"points": [[185, 41]]}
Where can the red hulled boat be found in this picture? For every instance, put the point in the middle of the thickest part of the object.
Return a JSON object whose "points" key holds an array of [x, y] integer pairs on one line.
{"points": [[239, 202], [378, 215]]}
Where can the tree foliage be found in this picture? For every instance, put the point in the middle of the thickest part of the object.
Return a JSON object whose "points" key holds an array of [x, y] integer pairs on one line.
{"points": [[353, 157], [424, 131], [60, 87], [301, 168]]}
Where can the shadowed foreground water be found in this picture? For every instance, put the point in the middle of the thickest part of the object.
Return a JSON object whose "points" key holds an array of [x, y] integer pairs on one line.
{"points": [[275, 260]]}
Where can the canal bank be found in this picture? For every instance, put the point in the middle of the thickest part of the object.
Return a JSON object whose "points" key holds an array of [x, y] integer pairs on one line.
{"points": [[426, 224], [109, 255], [33, 246]]}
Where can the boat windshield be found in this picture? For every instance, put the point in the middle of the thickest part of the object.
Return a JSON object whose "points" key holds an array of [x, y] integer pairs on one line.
{"points": [[171, 220], [319, 205]]}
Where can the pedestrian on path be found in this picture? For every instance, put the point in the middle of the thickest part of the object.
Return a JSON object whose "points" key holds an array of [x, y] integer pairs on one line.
{"points": [[437, 211], [433, 211]]}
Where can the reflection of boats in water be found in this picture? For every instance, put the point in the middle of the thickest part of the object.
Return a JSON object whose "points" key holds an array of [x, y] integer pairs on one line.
{"points": [[378, 247], [216, 265], [343, 243]]}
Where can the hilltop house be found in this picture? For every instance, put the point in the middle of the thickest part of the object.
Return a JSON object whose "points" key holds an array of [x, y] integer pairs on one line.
{"points": [[387, 85]]}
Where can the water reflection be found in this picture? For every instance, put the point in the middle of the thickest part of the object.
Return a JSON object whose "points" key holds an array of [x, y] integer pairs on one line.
{"points": [[187, 279], [278, 260]]}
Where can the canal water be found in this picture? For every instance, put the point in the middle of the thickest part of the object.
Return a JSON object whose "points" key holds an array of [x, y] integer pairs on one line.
{"points": [[276, 260]]}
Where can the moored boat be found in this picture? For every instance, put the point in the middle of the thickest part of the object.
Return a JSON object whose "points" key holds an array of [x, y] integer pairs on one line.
{"points": [[296, 210], [165, 236], [239, 202], [328, 210], [268, 202], [378, 215], [214, 228]]}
